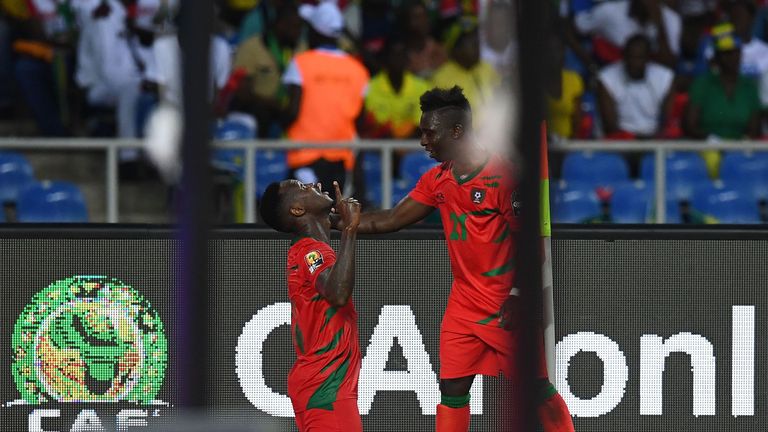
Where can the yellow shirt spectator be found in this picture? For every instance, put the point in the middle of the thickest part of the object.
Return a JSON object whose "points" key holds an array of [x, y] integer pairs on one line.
{"points": [[478, 83], [563, 110], [400, 110]]}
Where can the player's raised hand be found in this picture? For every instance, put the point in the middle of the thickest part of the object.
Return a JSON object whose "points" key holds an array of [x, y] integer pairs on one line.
{"points": [[347, 208]]}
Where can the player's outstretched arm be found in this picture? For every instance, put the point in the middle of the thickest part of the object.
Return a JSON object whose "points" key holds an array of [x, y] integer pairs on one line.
{"points": [[406, 212], [336, 284]]}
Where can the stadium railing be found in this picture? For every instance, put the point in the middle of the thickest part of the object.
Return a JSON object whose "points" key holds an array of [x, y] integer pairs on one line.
{"points": [[386, 147]]}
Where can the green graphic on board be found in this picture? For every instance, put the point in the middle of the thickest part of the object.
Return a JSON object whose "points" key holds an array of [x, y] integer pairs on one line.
{"points": [[89, 339]]}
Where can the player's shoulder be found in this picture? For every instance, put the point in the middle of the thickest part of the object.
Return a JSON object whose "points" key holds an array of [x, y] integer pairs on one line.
{"points": [[437, 172], [304, 245], [501, 166], [500, 172]]}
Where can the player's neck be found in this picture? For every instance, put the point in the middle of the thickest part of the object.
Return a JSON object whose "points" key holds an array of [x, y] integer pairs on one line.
{"points": [[317, 229], [469, 160]]}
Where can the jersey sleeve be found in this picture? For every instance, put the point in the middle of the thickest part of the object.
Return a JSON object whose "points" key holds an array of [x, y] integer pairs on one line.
{"points": [[423, 192], [315, 258]]}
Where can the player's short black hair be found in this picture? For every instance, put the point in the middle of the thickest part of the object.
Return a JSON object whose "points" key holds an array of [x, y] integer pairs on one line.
{"points": [[272, 206], [439, 98]]}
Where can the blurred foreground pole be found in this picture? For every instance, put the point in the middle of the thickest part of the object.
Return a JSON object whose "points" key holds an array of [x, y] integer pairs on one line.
{"points": [[531, 19], [195, 26], [548, 298]]}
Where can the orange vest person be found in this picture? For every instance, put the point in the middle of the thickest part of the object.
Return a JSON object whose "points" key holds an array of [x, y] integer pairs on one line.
{"points": [[326, 87]]}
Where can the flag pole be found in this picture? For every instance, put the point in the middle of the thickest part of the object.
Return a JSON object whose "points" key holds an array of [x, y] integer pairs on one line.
{"points": [[548, 302]]}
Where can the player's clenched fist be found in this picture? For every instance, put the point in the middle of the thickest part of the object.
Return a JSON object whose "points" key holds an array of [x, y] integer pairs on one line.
{"points": [[348, 209]]}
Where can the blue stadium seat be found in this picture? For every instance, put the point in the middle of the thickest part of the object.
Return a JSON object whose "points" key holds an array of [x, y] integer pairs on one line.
{"points": [[415, 164], [271, 166], [595, 168], [726, 204], [371, 168], [233, 130], [575, 203], [747, 172], [631, 203], [16, 174], [52, 201], [684, 172]]}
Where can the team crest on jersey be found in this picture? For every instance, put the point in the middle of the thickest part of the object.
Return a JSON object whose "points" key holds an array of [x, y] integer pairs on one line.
{"points": [[314, 260], [439, 197], [477, 195]]}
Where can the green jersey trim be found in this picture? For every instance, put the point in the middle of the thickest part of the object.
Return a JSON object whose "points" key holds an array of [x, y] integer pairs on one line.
{"points": [[506, 268], [329, 313], [334, 360], [299, 339], [332, 344], [546, 390], [504, 234], [484, 212], [471, 175], [325, 395], [490, 318]]}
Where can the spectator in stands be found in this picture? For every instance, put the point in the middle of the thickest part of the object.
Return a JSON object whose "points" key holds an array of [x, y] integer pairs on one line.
{"points": [[564, 95], [465, 68], [392, 103], [255, 22], [634, 95], [497, 43], [692, 61], [612, 23], [264, 59], [42, 68], [425, 53], [724, 103], [12, 13], [326, 88], [167, 73], [112, 56], [754, 52], [760, 29]]}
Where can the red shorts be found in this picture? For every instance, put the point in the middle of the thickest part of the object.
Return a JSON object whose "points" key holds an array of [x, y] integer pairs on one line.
{"points": [[468, 348], [344, 417]]}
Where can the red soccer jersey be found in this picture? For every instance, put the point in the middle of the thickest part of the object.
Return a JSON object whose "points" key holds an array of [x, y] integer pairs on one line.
{"points": [[479, 217], [324, 337]]}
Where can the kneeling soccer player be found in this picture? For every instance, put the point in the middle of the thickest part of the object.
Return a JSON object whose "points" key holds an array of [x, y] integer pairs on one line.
{"points": [[322, 384]]}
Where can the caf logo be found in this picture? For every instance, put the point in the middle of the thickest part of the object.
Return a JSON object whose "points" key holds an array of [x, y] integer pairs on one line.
{"points": [[478, 195], [89, 339], [314, 260]]}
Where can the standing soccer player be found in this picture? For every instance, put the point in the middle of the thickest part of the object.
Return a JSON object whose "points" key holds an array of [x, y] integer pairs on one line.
{"points": [[322, 384], [475, 193]]}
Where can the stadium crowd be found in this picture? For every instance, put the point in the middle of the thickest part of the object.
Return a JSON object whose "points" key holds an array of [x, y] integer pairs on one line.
{"points": [[629, 69]]}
